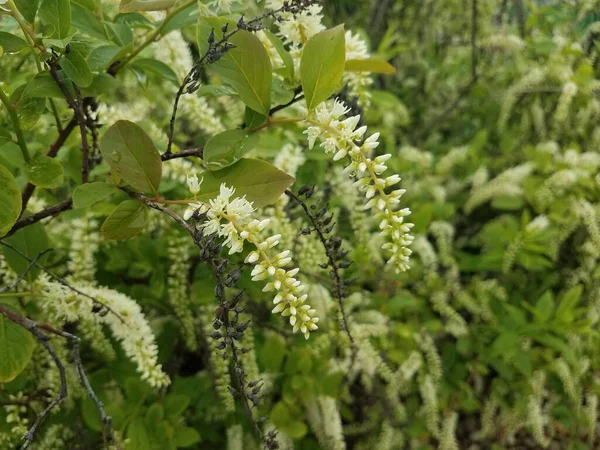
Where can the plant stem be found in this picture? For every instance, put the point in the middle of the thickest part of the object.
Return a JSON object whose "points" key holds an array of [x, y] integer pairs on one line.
{"points": [[152, 36], [12, 112]]}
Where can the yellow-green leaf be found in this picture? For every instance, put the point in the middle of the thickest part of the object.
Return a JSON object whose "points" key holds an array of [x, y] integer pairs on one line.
{"points": [[90, 193], [45, 172], [126, 221], [228, 147], [56, 17], [247, 68], [16, 349], [131, 153], [322, 65], [10, 201], [31, 241], [261, 182], [371, 65]]}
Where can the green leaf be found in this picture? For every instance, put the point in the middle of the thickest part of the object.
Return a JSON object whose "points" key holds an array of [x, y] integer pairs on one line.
{"points": [[126, 221], [247, 68], [296, 429], [56, 15], [145, 5], [101, 57], [186, 437], [45, 172], [31, 241], [544, 308], [132, 155], [261, 182], [134, 20], [155, 414], [28, 8], [16, 349], [5, 137], [568, 302], [228, 147], [253, 119], [175, 404], [84, 20], [11, 43], [217, 91], [90, 193], [76, 68], [10, 201], [322, 65], [288, 61], [138, 435], [371, 65], [157, 67], [43, 85]]}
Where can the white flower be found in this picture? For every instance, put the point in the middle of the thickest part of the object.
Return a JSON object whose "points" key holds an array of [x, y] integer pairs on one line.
{"points": [[231, 218], [342, 138], [193, 183]]}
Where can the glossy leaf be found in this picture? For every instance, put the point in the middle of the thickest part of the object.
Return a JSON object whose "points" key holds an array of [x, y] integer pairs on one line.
{"points": [[261, 182], [134, 20], [132, 155], [126, 221], [16, 349], [11, 43], [45, 172], [322, 65], [76, 68], [247, 68], [56, 15], [28, 8], [228, 147], [90, 193], [10, 201], [371, 65], [31, 241], [145, 5]]}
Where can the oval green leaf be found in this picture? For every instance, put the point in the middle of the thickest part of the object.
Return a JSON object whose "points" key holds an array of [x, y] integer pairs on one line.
{"points": [[322, 65], [28, 8], [132, 155], [261, 182], [10, 201], [88, 194], [76, 68], [371, 65], [11, 43], [31, 241], [247, 68], [228, 147], [56, 16], [45, 172], [126, 221], [158, 68], [16, 349]]}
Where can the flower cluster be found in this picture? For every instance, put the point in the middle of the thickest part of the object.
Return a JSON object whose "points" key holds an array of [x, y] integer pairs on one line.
{"points": [[126, 321], [342, 138], [230, 217]]}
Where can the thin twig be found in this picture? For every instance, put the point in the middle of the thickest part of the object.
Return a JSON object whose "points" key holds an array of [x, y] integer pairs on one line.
{"points": [[331, 253], [190, 152], [24, 274], [34, 328], [44, 213], [63, 281]]}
